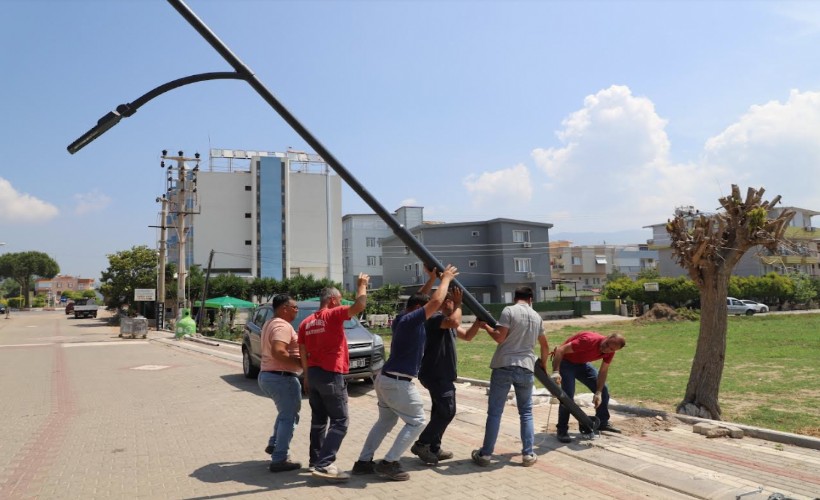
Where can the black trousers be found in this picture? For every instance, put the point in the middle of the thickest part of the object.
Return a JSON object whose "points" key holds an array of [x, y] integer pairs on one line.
{"points": [[443, 394], [328, 404]]}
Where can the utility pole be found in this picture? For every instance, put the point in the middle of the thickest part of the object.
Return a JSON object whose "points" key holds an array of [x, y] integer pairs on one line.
{"points": [[184, 191], [160, 307], [202, 313]]}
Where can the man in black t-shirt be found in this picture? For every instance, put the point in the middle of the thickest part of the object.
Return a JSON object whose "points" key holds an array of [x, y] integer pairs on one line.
{"points": [[438, 374]]}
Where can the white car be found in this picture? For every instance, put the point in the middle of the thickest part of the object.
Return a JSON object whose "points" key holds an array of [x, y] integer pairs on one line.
{"points": [[757, 306]]}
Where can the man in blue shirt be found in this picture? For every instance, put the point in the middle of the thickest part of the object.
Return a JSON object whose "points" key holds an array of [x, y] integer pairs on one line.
{"points": [[396, 393]]}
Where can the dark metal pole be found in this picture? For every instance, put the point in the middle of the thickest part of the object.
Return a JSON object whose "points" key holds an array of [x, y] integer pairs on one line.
{"points": [[400, 231]]}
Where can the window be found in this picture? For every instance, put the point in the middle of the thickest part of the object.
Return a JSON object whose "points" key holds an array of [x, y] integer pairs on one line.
{"points": [[523, 265], [472, 263], [379, 241], [475, 234], [247, 188], [380, 260], [521, 236], [371, 260], [247, 242], [247, 215], [576, 261], [371, 241], [344, 244], [600, 259]]}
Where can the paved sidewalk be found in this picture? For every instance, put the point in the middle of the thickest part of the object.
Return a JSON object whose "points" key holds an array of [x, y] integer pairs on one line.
{"points": [[654, 458], [90, 416]]}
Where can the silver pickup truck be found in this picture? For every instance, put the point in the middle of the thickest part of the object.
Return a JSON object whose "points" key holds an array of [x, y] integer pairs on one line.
{"points": [[85, 308]]}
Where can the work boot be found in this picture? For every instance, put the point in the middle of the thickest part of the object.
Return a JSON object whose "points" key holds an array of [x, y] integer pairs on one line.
{"points": [[609, 428], [479, 459], [391, 470], [563, 436], [361, 467], [424, 453], [444, 455], [284, 465]]}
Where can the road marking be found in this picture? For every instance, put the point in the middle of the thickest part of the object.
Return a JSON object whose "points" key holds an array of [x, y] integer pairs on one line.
{"points": [[150, 367], [94, 344], [26, 345]]}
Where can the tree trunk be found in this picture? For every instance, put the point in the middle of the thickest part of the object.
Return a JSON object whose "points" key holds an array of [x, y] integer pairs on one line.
{"points": [[701, 398]]}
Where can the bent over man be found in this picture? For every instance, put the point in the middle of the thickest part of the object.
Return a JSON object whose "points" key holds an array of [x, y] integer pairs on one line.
{"points": [[572, 361]]}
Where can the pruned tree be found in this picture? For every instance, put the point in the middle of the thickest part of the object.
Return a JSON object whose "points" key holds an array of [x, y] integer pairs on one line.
{"points": [[709, 247]]}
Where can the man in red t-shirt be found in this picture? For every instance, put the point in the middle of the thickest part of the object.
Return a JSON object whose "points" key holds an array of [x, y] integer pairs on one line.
{"points": [[572, 361], [323, 349]]}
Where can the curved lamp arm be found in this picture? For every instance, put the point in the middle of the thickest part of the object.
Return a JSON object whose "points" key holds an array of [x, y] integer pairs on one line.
{"points": [[125, 110]]}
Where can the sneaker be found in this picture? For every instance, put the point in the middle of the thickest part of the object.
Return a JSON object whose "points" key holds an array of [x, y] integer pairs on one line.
{"points": [[269, 449], [444, 455], [529, 460], [330, 472], [609, 428], [361, 467], [424, 453], [284, 465], [391, 470], [563, 437], [479, 459]]}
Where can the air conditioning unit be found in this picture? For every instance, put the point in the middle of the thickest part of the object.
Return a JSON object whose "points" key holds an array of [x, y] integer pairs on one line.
{"points": [[527, 244], [530, 275]]}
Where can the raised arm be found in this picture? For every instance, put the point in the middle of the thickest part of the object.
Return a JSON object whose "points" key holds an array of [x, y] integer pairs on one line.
{"points": [[361, 296], [431, 279], [471, 332], [454, 319], [433, 305]]}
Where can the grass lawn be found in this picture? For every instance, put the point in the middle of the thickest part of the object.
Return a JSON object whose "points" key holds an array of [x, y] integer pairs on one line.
{"points": [[771, 378]]}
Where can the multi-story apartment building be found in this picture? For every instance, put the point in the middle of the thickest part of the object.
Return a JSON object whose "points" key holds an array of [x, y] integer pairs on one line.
{"points": [[494, 257], [799, 251], [587, 266], [362, 236], [265, 214]]}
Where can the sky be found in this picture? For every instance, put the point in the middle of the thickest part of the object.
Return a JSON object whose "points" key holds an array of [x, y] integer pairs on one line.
{"points": [[597, 117]]}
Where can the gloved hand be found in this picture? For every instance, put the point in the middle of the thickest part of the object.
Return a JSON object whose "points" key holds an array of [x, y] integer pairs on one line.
{"points": [[556, 377], [596, 399]]}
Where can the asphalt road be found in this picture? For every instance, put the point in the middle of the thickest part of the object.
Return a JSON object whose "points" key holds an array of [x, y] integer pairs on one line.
{"points": [[89, 415]]}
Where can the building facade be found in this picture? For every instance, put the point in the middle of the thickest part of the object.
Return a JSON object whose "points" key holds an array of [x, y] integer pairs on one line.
{"points": [[362, 236], [585, 267], [493, 257], [267, 215]]}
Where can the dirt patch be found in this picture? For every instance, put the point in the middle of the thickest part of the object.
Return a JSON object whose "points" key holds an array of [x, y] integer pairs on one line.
{"points": [[809, 431], [637, 426], [660, 312]]}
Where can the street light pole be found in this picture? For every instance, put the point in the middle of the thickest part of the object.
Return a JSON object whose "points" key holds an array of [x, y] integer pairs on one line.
{"points": [[244, 73], [160, 312]]}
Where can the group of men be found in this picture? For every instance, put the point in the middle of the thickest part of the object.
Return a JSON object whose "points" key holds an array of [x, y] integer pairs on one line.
{"points": [[422, 347]]}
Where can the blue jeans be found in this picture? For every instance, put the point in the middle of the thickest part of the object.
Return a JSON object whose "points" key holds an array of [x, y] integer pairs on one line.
{"points": [[500, 381], [587, 375], [328, 403], [286, 393], [396, 399]]}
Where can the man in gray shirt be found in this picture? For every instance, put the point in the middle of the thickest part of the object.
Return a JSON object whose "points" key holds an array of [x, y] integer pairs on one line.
{"points": [[518, 328]]}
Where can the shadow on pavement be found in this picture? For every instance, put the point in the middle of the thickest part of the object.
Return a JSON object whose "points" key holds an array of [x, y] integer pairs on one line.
{"points": [[241, 383], [255, 473]]}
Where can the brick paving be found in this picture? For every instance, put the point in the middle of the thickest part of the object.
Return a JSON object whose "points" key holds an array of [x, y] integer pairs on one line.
{"points": [[88, 415]]}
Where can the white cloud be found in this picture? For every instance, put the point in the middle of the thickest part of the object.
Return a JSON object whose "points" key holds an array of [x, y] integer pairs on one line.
{"points": [[507, 186], [16, 207], [776, 146], [90, 202], [612, 170]]}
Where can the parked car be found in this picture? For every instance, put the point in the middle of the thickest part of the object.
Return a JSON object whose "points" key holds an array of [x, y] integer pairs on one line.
{"points": [[2, 309], [757, 306], [69, 308], [85, 308], [737, 307], [365, 349]]}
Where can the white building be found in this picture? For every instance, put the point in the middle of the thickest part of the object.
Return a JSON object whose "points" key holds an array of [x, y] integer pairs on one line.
{"points": [[268, 215]]}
